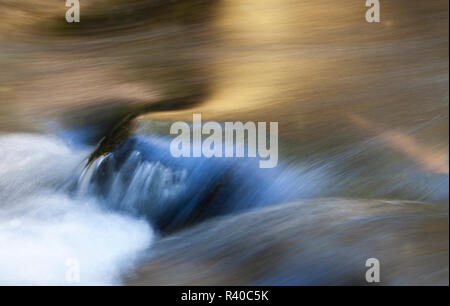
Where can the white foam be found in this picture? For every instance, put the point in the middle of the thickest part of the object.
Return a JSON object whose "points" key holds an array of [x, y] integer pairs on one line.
{"points": [[32, 163], [48, 237]]}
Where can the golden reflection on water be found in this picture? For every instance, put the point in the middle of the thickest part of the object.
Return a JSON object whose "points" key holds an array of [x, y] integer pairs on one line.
{"points": [[310, 65]]}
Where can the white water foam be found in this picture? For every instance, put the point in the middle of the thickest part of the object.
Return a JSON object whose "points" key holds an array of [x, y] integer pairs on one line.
{"points": [[48, 237]]}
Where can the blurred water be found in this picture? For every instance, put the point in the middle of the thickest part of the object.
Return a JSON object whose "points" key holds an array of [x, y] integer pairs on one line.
{"points": [[362, 111], [52, 199], [141, 177], [43, 228], [314, 242]]}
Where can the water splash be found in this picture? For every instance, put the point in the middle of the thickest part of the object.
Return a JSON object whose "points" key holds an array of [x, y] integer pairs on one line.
{"points": [[42, 225], [141, 177]]}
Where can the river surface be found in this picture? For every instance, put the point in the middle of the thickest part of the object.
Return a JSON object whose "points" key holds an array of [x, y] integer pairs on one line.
{"points": [[363, 143]]}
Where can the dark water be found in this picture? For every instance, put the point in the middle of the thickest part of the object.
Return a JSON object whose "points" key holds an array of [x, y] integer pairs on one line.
{"points": [[141, 177]]}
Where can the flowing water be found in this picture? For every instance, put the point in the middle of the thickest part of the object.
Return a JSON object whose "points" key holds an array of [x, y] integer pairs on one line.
{"points": [[43, 227], [57, 207], [363, 142]]}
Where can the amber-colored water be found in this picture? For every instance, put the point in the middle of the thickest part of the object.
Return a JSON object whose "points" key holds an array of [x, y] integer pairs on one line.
{"points": [[366, 103]]}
